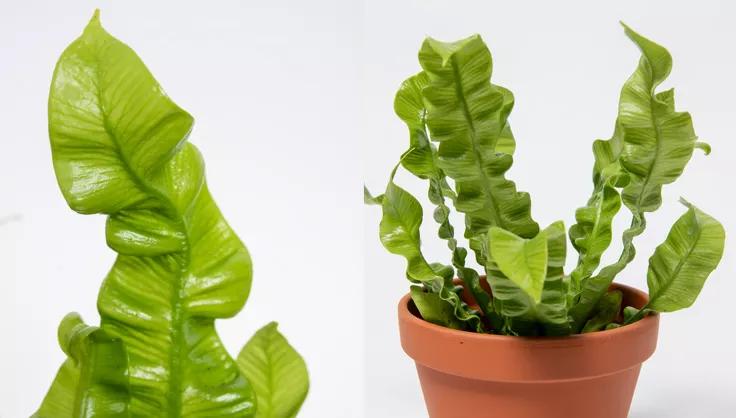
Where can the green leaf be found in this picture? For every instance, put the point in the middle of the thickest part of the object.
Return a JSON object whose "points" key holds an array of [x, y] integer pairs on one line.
{"points": [[630, 313], [421, 160], [681, 264], [433, 309], [592, 233], [658, 141], [276, 371], [119, 148], [652, 144], [515, 303], [608, 310], [523, 261], [467, 116], [552, 311], [399, 233], [93, 381], [408, 105]]}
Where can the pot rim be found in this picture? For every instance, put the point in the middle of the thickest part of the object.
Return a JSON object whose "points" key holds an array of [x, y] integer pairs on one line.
{"points": [[405, 310], [578, 356]]}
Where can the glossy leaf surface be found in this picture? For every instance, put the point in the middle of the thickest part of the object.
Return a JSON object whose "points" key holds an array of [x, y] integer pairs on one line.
{"points": [[681, 264], [276, 371], [421, 160], [652, 144], [93, 381], [522, 261], [467, 116], [513, 302], [119, 148], [399, 233]]}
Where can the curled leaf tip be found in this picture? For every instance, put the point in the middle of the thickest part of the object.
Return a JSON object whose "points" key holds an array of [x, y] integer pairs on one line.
{"points": [[703, 146]]}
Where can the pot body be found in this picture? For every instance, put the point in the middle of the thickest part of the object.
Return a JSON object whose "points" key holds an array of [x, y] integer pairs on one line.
{"points": [[469, 375]]}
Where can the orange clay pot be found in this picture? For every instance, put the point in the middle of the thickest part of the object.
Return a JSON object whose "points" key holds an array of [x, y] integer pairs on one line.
{"points": [[470, 375]]}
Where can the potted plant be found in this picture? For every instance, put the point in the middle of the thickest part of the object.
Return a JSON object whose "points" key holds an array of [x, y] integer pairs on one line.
{"points": [[120, 148], [526, 339]]}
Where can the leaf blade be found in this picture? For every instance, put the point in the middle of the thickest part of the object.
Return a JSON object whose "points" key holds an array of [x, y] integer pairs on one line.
{"points": [[680, 265], [278, 373], [522, 261], [119, 148], [93, 381]]}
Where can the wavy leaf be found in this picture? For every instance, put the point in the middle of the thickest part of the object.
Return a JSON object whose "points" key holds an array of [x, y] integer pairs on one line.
{"points": [[607, 311], [433, 309], [399, 233], [513, 302], [681, 264], [523, 261], [592, 233], [552, 311], [119, 148], [93, 381], [421, 160], [652, 144], [467, 115], [276, 371]]}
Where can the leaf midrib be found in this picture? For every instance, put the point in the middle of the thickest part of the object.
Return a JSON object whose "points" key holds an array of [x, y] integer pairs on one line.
{"points": [[177, 339], [490, 201], [681, 262]]}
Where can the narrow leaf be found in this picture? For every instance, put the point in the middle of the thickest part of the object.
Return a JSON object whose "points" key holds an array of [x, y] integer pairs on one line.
{"points": [[552, 310], [421, 160], [276, 371], [399, 233], [467, 117], [681, 264], [652, 144]]}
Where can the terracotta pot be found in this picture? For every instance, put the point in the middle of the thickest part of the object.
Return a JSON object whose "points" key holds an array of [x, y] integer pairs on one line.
{"points": [[469, 375]]}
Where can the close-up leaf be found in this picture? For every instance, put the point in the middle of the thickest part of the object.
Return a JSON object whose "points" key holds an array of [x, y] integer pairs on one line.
{"points": [[93, 381], [119, 148], [681, 264], [277, 372], [467, 116], [523, 261]]}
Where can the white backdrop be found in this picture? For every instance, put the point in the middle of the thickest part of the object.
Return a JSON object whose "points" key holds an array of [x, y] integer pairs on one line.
{"points": [[565, 61], [268, 84]]}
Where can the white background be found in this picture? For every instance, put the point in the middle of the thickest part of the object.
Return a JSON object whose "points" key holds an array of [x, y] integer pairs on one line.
{"points": [[270, 85], [284, 93], [565, 62]]}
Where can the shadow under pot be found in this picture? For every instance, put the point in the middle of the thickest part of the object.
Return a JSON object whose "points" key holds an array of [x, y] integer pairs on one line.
{"points": [[470, 375]]}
